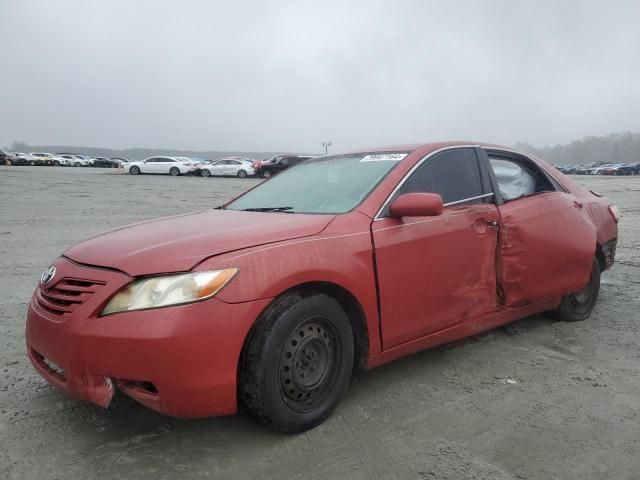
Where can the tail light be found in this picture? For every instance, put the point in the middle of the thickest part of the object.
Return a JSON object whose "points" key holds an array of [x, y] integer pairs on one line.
{"points": [[615, 213]]}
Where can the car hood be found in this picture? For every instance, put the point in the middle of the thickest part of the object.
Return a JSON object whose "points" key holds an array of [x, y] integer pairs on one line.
{"points": [[178, 243]]}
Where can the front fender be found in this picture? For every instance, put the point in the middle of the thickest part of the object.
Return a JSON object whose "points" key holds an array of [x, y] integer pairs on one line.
{"points": [[341, 255]]}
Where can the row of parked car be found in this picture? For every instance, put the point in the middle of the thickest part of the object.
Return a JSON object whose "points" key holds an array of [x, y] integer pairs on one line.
{"points": [[228, 166], [601, 168], [58, 159]]}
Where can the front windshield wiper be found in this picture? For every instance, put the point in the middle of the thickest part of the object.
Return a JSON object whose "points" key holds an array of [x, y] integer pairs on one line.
{"points": [[268, 209]]}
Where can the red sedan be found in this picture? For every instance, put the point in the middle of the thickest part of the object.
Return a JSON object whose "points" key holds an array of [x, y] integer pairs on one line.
{"points": [[344, 261]]}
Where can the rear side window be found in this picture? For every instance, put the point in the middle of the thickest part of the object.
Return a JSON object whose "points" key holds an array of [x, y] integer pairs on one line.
{"points": [[454, 174], [518, 179]]}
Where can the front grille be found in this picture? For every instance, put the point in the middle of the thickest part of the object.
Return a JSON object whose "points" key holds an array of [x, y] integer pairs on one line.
{"points": [[64, 296]]}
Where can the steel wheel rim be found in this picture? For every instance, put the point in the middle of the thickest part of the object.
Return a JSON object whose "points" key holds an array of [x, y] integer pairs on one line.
{"points": [[309, 364], [582, 297]]}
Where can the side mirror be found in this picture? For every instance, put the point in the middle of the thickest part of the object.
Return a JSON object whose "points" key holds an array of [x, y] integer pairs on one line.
{"points": [[416, 205]]}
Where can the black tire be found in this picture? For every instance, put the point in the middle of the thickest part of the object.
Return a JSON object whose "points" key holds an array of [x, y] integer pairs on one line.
{"points": [[297, 362], [32, 163], [134, 170], [56, 163], [77, 164], [242, 173], [205, 173], [266, 174], [174, 171], [577, 306], [9, 162]]}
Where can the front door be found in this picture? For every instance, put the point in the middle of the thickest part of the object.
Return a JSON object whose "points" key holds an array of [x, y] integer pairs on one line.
{"points": [[151, 165], [436, 272], [217, 168]]}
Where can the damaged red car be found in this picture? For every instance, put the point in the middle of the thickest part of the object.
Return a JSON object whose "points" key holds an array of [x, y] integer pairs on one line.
{"points": [[342, 262]]}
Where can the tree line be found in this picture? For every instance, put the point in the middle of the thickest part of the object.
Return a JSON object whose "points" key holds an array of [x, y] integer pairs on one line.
{"points": [[622, 147]]}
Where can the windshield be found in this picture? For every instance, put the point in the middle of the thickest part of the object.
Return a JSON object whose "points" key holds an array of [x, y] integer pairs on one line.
{"points": [[332, 185]]}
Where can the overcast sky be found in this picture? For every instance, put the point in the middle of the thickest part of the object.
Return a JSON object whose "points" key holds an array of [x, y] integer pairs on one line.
{"points": [[286, 75]]}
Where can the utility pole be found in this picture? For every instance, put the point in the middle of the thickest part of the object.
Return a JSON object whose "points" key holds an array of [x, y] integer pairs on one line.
{"points": [[326, 146]]}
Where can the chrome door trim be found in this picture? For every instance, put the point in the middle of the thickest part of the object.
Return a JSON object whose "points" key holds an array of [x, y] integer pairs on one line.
{"points": [[465, 200]]}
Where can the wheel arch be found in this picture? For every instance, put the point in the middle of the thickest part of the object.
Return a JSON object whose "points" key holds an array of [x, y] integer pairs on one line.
{"points": [[347, 301]]}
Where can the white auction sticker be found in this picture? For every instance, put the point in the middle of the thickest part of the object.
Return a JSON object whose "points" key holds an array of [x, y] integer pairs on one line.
{"points": [[384, 157]]}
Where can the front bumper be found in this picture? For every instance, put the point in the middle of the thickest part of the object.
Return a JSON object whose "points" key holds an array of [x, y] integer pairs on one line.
{"points": [[609, 252], [180, 361]]}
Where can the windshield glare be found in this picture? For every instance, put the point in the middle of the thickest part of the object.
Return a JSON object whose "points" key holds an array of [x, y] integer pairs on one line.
{"points": [[331, 185]]}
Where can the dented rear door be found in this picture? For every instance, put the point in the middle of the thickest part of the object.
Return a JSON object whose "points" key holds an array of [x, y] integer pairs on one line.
{"points": [[546, 247]]}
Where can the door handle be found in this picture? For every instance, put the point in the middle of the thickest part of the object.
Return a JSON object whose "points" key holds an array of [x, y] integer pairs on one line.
{"points": [[481, 225], [577, 204]]}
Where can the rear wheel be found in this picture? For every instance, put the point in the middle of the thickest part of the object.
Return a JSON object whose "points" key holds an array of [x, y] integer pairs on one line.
{"points": [[297, 362], [134, 170], [56, 163], [577, 306], [32, 163], [175, 171], [77, 164], [242, 173]]}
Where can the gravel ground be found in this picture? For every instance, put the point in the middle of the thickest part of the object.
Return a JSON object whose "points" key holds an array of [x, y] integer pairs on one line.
{"points": [[535, 399]]}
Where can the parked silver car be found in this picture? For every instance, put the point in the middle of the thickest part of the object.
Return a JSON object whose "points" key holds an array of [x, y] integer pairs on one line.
{"points": [[233, 167]]}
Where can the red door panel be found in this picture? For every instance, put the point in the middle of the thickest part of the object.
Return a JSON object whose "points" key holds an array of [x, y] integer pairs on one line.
{"points": [[435, 272], [547, 245]]}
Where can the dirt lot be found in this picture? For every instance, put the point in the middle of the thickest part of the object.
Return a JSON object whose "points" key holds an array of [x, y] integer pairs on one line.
{"points": [[536, 399]]}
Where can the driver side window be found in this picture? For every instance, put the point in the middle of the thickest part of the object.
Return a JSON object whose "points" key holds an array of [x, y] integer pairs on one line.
{"points": [[453, 174]]}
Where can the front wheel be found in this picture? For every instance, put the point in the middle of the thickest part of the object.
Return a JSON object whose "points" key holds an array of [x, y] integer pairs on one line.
{"points": [[297, 362], [174, 172], [242, 173], [134, 170], [32, 163], [77, 164], [205, 173], [577, 306]]}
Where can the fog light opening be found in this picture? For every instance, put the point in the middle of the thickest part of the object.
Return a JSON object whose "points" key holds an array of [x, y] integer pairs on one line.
{"points": [[140, 385]]}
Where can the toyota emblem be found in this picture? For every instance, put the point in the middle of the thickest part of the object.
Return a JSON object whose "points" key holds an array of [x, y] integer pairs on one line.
{"points": [[48, 275]]}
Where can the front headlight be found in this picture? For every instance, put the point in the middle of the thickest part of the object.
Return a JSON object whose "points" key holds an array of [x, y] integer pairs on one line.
{"points": [[168, 290]]}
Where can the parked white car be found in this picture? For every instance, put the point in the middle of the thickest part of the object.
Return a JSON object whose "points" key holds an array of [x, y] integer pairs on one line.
{"points": [[228, 167], [67, 159], [83, 161], [43, 158], [161, 165]]}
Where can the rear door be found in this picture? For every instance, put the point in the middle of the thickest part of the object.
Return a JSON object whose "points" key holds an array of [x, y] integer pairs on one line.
{"points": [[435, 272], [547, 241], [233, 167]]}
